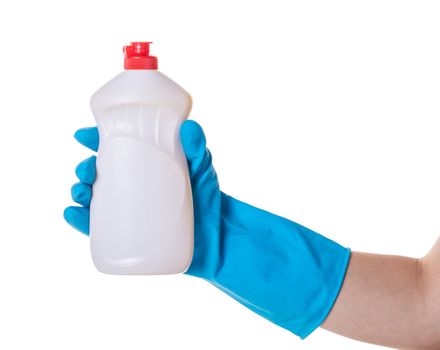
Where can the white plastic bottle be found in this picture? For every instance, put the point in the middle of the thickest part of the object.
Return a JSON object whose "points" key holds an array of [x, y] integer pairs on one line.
{"points": [[141, 214]]}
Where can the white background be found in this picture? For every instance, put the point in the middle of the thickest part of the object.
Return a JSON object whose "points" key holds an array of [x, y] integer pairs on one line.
{"points": [[323, 112]]}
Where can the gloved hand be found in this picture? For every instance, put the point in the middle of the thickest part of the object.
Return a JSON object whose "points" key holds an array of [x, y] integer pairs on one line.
{"points": [[277, 268]]}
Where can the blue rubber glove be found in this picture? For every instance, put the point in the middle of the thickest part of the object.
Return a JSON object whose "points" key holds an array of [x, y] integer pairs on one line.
{"points": [[277, 268]]}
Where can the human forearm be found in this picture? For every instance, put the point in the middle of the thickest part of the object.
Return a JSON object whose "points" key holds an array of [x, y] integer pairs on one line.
{"points": [[386, 300]]}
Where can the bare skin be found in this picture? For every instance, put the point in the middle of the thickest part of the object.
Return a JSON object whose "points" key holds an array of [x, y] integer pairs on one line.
{"points": [[392, 301]]}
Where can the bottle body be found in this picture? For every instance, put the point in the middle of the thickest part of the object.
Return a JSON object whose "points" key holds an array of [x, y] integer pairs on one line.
{"points": [[141, 214]]}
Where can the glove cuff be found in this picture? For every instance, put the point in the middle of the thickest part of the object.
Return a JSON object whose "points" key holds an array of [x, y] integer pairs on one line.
{"points": [[334, 290]]}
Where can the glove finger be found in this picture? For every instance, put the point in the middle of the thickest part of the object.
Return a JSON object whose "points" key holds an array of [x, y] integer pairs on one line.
{"points": [[82, 194], [88, 137], [86, 170], [203, 176], [194, 145], [78, 218], [204, 182]]}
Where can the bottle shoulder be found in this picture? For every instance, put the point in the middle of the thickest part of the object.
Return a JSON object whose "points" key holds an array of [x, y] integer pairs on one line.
{"points": [[147, 87]]}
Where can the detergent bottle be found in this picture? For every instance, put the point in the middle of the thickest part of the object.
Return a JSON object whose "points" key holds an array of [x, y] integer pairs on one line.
{"points": [[141, 214]]}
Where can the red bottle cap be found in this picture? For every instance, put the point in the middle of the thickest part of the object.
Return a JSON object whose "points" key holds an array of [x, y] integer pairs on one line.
{"points": [[137, 56]]}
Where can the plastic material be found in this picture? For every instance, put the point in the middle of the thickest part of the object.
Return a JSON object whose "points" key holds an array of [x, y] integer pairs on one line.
{"points": [[141, 216], [137, 56]]}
